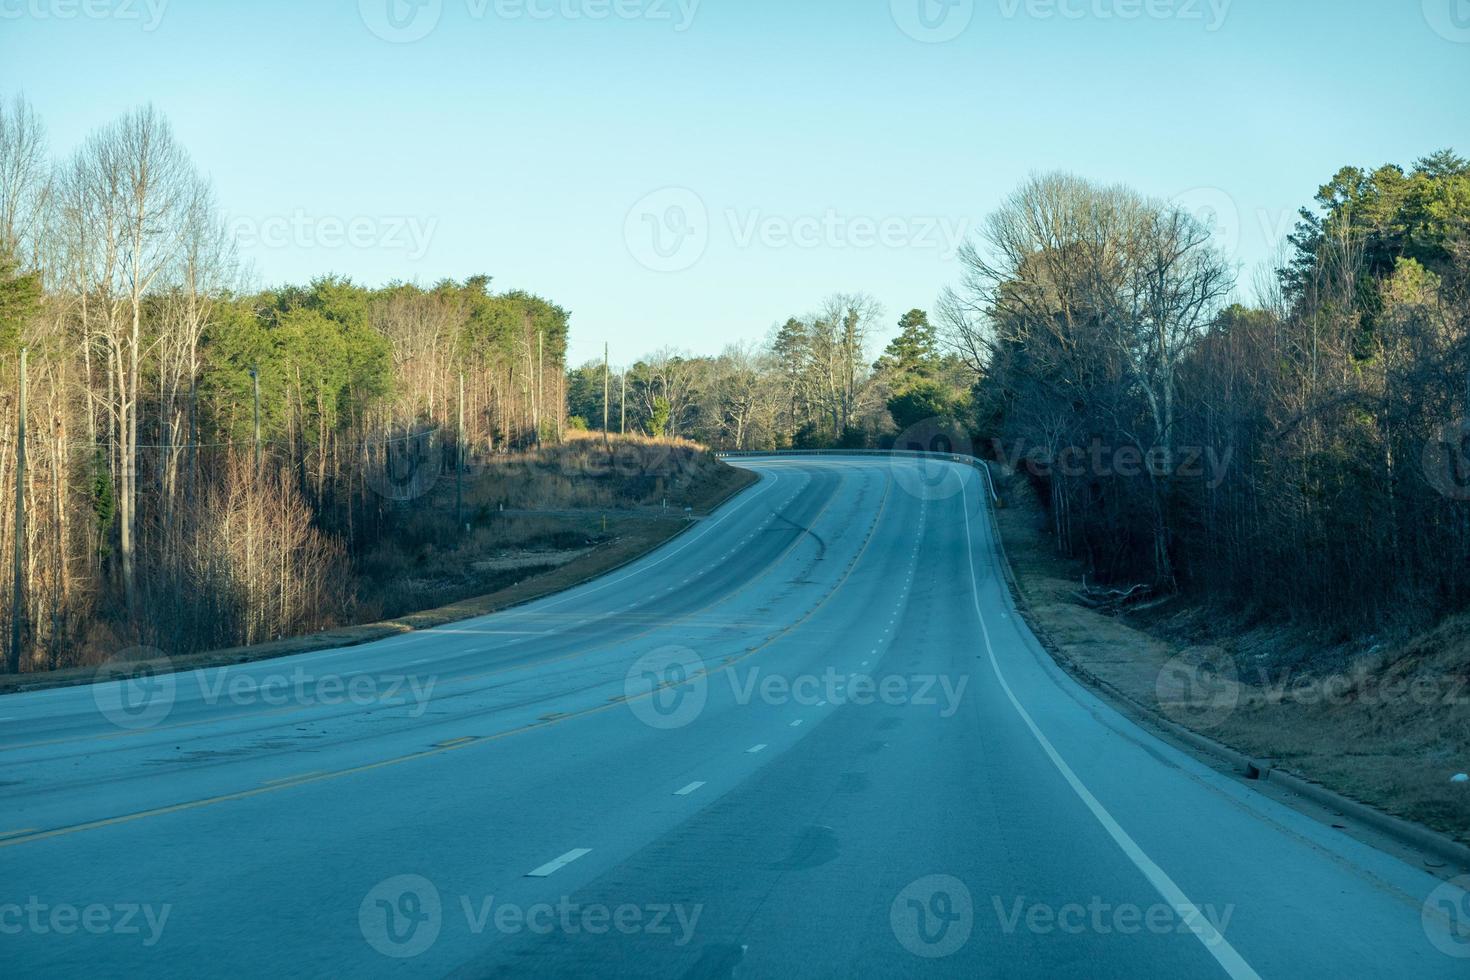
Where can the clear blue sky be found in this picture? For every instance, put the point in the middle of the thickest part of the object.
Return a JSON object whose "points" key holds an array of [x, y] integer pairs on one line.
{"points": [[516, 136]]}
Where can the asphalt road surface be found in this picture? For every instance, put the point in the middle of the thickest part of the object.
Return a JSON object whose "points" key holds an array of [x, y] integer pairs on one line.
{"points": [[809, 737]]}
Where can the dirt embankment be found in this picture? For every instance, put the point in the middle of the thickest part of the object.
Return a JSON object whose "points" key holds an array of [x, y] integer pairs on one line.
{"points": [[1384, 721]]}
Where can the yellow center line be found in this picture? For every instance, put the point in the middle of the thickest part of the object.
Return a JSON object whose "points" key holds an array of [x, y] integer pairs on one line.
{"points": [[455, 741], [31, 836], [449, 682], [291, 779]]}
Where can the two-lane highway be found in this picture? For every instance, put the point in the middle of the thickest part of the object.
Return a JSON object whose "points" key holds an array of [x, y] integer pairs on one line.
{"points": [[810, 737]]}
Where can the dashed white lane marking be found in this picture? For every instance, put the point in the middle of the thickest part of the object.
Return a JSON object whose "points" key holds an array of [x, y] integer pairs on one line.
{"points": [[796, 723], [688, 789], [755, 748], [552, 867]]}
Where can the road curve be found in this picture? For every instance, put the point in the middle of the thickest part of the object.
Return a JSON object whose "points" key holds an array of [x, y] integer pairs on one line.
{"points": [[810, 737]]}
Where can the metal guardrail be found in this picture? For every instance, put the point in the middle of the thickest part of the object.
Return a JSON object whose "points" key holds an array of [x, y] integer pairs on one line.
{"points": [[978, 464]]}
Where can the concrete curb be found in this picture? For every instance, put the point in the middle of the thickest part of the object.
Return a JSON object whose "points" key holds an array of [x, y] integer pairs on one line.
{"points": [[1430, 842]]}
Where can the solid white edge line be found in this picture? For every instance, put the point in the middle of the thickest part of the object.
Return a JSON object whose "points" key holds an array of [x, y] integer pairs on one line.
{"points": [[551, 867], [755, 748], [1215, 944]]}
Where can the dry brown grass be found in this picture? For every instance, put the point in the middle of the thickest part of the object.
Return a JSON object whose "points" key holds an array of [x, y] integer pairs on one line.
{"points": [[432, 575], [561, 504], [585, 473], [1388, 728]]}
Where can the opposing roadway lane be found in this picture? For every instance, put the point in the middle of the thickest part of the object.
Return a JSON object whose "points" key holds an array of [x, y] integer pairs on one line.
{"points": [[810, 737]]}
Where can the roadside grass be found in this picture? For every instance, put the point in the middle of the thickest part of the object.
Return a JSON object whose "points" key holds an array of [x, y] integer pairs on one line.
{"points": [[540, 516], [557, 531], [1387, 727]]}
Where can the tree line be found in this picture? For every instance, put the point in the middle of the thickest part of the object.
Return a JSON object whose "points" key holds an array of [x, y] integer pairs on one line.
{"points": [[161, 505], [810, 385], [1303, 454]]}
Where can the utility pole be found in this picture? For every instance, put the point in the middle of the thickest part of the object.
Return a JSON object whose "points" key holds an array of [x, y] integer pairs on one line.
{"points": [[606, 391], [623, 407], [17, 598], [255, 381], [459, 459]]}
